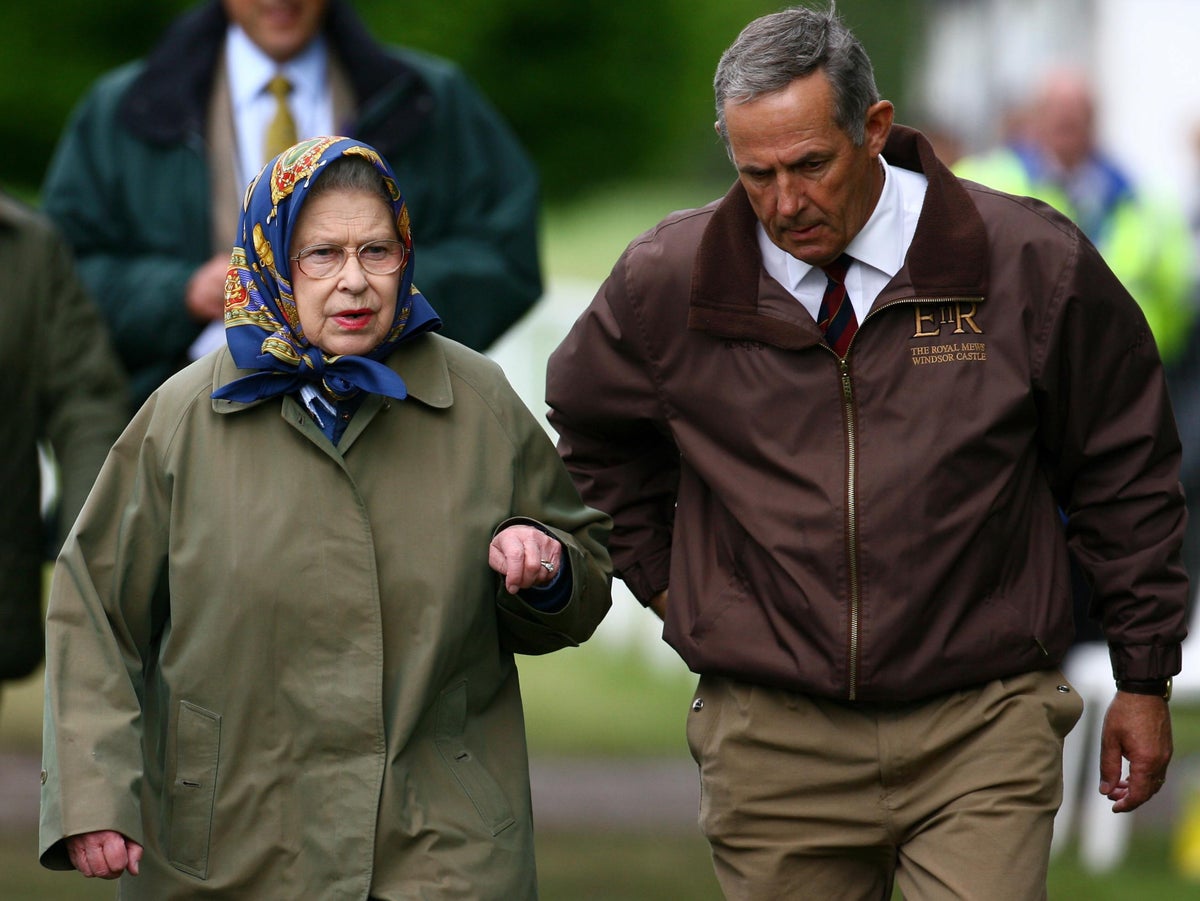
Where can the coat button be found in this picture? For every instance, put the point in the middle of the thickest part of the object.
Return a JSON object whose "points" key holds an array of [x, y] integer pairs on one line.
{"points": [[43, 777], [1065, 689], [698, 704]]}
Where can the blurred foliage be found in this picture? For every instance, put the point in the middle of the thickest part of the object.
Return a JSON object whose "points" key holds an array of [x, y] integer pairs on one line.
{"points": [[51, 51], [599, 92]]}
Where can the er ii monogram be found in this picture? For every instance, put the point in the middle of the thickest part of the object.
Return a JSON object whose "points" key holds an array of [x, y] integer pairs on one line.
{"points": [[947, 331]]}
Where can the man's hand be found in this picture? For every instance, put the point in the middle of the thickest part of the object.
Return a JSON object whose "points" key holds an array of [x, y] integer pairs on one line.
{"points": [[205, 297], [1137, 728], [525, 556], [106, 855]]}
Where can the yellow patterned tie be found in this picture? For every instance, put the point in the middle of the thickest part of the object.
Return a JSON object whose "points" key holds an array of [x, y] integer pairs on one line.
{"points": [[281, 132]]}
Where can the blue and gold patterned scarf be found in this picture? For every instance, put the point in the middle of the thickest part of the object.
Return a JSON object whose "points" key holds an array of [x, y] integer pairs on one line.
{"points": [[262, 326]]}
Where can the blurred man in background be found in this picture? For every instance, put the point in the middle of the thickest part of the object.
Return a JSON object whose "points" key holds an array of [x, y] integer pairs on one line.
{"points": [[62, 388], [233, 82]]}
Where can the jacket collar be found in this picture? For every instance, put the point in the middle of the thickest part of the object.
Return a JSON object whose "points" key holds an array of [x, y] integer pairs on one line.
{"points": [[421, 362], [947, 258], [168, 101]]}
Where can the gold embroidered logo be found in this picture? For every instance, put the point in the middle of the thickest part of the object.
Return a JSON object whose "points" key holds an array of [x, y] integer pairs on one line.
{"points": [[931, 320], [944, 321]]}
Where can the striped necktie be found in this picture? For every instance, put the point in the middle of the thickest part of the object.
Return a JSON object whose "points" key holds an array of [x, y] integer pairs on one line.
{"points": [[281, 131], [836, 317]]}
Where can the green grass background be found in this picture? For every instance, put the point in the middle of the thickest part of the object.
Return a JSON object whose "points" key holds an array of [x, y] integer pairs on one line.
{"points": [[607, 700]]}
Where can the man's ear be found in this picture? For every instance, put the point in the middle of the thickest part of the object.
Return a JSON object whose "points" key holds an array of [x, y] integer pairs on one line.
{"points": [[878, 125]]}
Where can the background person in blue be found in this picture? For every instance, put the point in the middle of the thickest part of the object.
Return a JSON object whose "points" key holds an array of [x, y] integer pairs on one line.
{"points": [[280, 637], [149, 172], [834, 415]]}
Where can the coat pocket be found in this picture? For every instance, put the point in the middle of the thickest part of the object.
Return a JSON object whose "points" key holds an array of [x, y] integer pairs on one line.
{"points": [[471, 775], [193, 793]]}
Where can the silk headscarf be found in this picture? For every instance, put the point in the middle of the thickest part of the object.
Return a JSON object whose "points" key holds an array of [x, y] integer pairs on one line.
{"points": [[262, 326]]}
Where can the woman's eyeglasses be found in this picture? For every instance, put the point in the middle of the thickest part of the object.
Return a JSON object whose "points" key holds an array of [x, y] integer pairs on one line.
{"points": [[327, 260]]}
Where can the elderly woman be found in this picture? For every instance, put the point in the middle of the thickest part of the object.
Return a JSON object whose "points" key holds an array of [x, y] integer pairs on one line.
{"points": [[279, 653]]}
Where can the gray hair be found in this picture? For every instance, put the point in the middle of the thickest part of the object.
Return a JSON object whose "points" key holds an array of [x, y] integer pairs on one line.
{"points": [[350, 172], [775, 50]]}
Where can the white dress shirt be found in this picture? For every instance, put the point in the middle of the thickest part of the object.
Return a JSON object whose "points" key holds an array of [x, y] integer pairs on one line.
{"points": [[249, 69], [878, 250]]}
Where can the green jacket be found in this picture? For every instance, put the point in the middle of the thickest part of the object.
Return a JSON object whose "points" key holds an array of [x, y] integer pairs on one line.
{"points": [[1144, 241], [62, 386], [286, 668], [129, 187]]}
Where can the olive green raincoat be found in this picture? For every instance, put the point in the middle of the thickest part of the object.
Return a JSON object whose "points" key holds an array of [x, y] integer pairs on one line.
{"points": [[285, 668]]}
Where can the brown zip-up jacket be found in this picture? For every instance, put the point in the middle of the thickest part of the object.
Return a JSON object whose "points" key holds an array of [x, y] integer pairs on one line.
{"points": [[887, 527]]}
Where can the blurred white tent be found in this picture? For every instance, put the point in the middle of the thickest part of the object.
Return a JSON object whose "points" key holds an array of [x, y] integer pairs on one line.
{"points": [[981, 56]]}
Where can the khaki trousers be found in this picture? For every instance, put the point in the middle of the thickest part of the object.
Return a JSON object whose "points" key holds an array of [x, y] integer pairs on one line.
{"points": [[950, 798]]}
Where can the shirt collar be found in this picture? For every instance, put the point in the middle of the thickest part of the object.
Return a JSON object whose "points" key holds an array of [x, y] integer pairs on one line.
{"points": [[880, 244], [250, 69]]}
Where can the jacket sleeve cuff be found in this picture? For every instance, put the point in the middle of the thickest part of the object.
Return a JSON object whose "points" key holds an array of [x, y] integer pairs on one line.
{"points": [[1145, 662], [649, 576]]}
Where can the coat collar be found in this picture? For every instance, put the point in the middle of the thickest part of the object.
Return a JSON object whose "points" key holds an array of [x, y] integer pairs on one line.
{"points": [[947, 258], [168, 101], [421, 362]]}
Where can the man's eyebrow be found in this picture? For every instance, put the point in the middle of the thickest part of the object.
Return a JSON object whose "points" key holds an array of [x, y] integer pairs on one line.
{"points": [[808, 156]]}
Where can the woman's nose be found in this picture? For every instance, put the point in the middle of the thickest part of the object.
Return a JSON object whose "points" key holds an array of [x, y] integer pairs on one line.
{"points": [[353, 277]]}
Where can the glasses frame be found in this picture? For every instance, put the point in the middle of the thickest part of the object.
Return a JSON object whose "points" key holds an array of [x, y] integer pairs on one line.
{"points": [[347, 252]]}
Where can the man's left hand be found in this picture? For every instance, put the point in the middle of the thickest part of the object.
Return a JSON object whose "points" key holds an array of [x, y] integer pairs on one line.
{"points": [[1137, 728]]}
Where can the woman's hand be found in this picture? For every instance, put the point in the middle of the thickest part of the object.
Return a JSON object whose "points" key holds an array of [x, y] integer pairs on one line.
{"points": [[106, 855], [525, 556]]}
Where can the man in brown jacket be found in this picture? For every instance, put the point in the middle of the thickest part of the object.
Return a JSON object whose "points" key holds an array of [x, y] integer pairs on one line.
{"points": [[838, 413]]}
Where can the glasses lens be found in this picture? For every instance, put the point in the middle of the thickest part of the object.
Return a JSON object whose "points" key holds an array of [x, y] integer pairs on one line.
{"points": [[381, 257], [321, 260]]}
